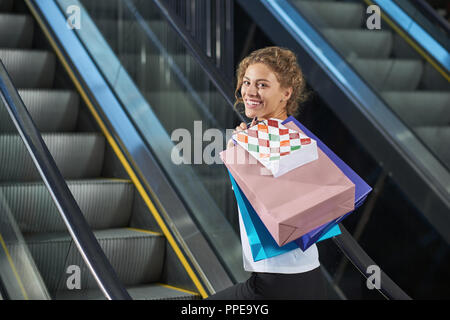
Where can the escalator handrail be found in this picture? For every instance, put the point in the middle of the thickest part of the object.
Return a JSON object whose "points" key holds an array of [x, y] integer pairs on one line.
{"points": [[205, 63], [429, 11], [81, 233], [433, 48], [361, 260]]}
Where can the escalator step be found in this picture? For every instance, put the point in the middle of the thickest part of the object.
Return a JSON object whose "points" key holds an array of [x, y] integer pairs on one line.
{"points": [[137, 257], [332, 14], [390, 74], [105, 203], [360, 42], [77, 156], [29, 68], [155, 291], [437, 138], [16, 31], [433, 80], [51, 110], [420, 108]]}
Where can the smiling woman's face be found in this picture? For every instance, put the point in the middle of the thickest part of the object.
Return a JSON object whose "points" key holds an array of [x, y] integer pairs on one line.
{"points": [[262, 94]]}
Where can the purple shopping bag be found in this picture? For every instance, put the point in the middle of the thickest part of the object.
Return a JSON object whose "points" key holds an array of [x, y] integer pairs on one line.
{"points": [[362, 189]]}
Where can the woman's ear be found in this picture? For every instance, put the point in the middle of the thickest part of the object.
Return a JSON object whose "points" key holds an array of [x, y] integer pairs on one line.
{"points": [[287, 94]]}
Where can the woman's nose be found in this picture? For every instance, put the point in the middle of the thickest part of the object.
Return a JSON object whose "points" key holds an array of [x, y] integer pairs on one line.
{"points": [[252, 90]]}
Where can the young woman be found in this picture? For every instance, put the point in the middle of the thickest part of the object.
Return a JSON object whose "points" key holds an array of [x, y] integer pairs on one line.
{"points": [[270, 84]]}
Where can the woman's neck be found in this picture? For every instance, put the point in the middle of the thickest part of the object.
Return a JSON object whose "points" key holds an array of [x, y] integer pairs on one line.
{"points": [[279, 115]]}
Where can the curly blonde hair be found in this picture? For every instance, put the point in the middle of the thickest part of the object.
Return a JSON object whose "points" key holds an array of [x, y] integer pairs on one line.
{"points": [[283, 62]]}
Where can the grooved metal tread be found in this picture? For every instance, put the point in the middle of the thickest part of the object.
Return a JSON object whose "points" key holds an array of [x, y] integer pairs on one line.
{"points": [[16, 30], [155, 291], [77, 155], [59, 106], [105, 203], [29, 68], [136, 256]]}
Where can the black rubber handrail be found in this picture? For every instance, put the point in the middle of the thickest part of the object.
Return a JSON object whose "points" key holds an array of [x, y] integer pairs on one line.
{"points": [[433, 15], [361, 260], [81, 233]]}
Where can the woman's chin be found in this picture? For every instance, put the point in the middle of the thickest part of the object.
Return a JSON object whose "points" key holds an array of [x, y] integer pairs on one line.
{"points": [[251, 113]]}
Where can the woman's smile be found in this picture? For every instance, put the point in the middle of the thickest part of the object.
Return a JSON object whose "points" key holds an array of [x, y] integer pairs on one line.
{"points": [[253, 104]]}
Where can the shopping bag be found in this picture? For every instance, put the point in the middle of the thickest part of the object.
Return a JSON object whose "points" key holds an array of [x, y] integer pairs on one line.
{"points": [[277, 147], [297, 202], [262, 244], [362, 189]]}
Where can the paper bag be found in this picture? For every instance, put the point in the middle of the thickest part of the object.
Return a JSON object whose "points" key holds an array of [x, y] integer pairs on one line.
{"points": [[277, 147], [297, 202]]}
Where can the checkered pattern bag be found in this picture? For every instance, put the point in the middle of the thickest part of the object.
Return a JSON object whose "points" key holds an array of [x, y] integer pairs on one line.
{"points": [[278, 148]]}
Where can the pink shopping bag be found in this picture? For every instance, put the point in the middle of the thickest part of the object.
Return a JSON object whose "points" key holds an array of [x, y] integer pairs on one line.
{"points": [[297, 202]]}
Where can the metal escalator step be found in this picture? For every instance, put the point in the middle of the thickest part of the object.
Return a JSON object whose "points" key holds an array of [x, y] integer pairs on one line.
{"points": [[29, 68], [77, 155], [6, 5], [438, 140], [137, 257], [433, 80], [105, 203], [360, 42], [420, 108], [154, 291], [51, 110], [332, 14], [390, 74], [16, 31]]}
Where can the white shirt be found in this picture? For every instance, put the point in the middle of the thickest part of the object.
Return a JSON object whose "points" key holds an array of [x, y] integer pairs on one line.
{"points": [[294, 261]]}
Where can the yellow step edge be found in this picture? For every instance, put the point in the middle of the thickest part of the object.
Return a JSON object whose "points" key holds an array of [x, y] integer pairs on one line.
{"points": [[177, 289], [119, 153], [153, 233], [13, 267]]}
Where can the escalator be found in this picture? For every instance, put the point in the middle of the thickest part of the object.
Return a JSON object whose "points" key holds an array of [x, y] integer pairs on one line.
{"points": [[391, 67], [134, 245], [114, 101]]}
